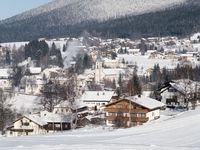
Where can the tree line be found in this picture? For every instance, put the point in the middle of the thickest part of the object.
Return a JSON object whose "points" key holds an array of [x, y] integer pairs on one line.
{"points": [[177, 21]]}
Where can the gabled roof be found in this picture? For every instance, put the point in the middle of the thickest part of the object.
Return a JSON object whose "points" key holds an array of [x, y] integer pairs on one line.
{"points": [[37, 119], [97, 96], [34, 118], [46, 117], [145, 102], [52, 117], [184, 86]]}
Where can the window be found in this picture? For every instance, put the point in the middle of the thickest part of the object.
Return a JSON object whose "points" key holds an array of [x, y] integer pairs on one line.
{"points": [[119, 114], [66, 125], [57, 125], [25, 123], [110, 113], [133, 114], [141, 115]]}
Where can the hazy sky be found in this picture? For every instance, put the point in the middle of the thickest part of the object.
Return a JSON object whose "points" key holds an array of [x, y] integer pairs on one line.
{"points": [[10, 8]]}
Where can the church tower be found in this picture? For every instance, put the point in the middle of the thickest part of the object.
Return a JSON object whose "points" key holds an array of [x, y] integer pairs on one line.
{"points": [[98, 69]]}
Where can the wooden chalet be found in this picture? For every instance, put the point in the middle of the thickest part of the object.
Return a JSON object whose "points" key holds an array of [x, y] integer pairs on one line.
{"points": [[132, 111]]}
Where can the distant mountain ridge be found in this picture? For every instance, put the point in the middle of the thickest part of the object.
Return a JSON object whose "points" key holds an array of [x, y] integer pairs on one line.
{"points": [[72, 17], [94, 9]]}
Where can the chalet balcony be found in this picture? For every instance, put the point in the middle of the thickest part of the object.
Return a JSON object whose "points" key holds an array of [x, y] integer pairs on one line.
{"points": [[125, 110], [133, 119], [21, 130]]}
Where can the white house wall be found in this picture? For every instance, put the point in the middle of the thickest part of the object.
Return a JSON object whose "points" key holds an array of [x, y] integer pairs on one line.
{"points": [[32, 125], [169, 95], [152, 115], [97, 104]]}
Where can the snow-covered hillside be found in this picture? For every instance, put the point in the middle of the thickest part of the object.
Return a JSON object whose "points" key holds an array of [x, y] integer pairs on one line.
{"points": [[168, 133], [74, 11]]}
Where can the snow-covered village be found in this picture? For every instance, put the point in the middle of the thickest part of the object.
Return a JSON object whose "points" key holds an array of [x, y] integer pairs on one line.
{"points": [[49, 86], [100, 75]]}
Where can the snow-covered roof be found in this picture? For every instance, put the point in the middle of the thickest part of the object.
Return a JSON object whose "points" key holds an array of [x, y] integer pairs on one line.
{"points": [[146, 102], [52, 117], [37, 119], [185, 86], [4, 73], [195, 36], [35, 70], [97, 96], [46, 117]]}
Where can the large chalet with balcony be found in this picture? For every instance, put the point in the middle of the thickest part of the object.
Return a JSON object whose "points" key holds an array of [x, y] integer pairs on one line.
{"points": [[132, 111]]}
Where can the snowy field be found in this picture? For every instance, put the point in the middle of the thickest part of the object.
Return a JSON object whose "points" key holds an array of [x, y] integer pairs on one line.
{"points": [[179, 132], [144, 63]]}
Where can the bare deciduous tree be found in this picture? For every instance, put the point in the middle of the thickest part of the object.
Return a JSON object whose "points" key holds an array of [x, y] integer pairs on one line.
{"points": [[55, 92], [6, 114]]}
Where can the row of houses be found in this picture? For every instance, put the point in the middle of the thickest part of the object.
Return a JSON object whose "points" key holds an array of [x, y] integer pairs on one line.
{"points": [[115, 112]]}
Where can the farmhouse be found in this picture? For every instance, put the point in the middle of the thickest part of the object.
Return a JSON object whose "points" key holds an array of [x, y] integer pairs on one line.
{"points": [[40, 124], [27, 125], [132, 111], [179, 92], [97, 99]]}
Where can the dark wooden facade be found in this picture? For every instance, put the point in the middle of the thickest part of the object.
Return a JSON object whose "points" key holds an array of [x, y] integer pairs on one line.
{"points": [[58, 126], [125, 113]]}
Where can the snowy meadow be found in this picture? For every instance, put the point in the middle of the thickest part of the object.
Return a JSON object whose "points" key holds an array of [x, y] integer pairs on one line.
{"points": [[171, 132]]}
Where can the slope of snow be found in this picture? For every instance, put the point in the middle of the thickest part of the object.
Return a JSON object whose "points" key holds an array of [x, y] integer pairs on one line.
{"points": [[144, 63], [179, 132], [75, 11]]}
